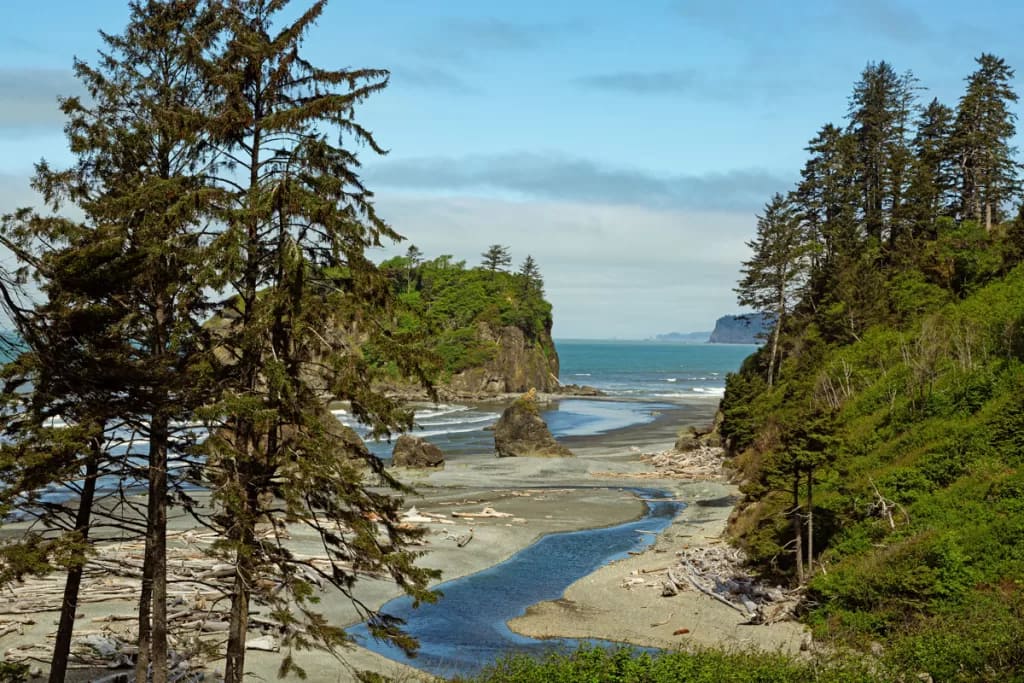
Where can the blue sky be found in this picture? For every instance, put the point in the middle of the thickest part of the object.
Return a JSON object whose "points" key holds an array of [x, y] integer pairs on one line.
{"points": [[626, 146]]}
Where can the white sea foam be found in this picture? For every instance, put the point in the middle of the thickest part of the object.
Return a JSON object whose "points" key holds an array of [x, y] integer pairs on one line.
{"points": [[451, 424], [442, 409], [582, 374], [438, 432], [710, 391], [671, 379]]}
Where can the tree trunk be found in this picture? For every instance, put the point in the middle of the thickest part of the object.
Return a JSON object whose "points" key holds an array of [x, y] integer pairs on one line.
{"points": [[68, 608], [238, 624], [797, 528], [145, 605], [158, 534], [775, 346], [153, 601], [810, 520]]}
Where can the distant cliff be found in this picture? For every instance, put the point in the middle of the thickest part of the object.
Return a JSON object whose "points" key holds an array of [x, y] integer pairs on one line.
{"points": [[684, 337], [741, 329]]}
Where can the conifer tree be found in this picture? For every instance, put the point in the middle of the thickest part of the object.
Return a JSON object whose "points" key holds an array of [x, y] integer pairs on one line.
{"points": [[880, 110], [825, 198], [302, 294], [531, 275], [981, 139], [140, 149], [496, 258], [136, 180], [933, 187], [777, 271]]}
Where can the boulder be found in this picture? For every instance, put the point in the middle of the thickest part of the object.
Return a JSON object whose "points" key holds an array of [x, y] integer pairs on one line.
{"points": [[692, 438], [522, 432], [412, 451], [688, 440]]}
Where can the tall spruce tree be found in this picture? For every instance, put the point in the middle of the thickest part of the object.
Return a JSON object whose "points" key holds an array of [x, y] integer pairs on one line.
{"points": [[302, 296], [777, 271], [530, 273], [984, 127], [826, 198], [136, 179], [496, 258], [880, 111], [932, 191], [140, 149]]}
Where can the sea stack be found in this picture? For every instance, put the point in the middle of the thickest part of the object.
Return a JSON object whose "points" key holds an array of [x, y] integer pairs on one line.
{"points": [[521, 432], [412, 451]]}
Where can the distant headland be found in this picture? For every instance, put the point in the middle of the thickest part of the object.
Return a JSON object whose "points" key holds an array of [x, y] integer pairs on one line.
{"points": [[750, 328]]}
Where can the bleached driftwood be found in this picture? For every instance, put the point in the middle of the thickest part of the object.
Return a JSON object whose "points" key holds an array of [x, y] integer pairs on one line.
{"points": [[483, 514]]}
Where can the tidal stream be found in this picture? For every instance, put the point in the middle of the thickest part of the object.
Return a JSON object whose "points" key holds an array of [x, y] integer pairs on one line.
{"points": [[466, 629]]}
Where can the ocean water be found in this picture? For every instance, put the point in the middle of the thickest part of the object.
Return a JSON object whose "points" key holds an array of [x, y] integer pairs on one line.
{"points": [[651, 370], [639, 378]]}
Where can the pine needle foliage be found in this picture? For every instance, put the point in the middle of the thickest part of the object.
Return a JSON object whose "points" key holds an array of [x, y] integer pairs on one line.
{"points": [[294, 227]]}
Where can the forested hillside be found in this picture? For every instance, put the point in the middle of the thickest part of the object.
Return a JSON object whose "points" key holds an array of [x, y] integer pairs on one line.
{"points": [[879, 433], [473, 319]]}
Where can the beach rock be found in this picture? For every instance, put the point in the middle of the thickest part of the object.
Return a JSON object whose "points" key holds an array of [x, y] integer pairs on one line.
{"points": [[693, 438], [579, 390], [522, 432], [688, 440], [412, 451]]}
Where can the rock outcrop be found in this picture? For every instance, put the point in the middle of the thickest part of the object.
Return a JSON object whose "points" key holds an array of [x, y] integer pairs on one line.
{"points": [[412, 451], [521, 432], [516, 365], [579, 390], [693, 438], [741, 329]]}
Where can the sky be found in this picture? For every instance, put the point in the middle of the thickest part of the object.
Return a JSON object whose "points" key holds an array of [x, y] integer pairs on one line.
{"points": [[626, 146]]}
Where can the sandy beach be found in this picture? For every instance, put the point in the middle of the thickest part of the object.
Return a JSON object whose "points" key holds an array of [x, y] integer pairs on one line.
{"points": [[541, 496]]}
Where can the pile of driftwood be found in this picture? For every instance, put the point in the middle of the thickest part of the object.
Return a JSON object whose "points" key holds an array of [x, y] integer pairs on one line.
{"points": [[702, 462], [717, 572], [198, 586]]}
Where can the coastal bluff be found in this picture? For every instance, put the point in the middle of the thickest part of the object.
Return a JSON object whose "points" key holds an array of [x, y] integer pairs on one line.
{"points": [[515, 364], [751, 328]]}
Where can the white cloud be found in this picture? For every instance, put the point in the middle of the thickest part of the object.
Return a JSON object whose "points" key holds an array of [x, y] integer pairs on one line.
{"points": [[28, 97], [609, 270], [553, 176]]}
